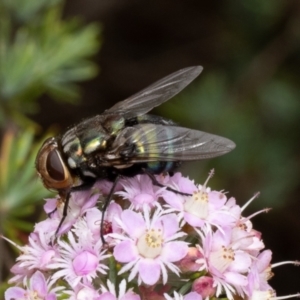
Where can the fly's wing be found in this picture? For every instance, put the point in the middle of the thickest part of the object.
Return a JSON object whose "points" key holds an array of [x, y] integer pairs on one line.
{"points": [[149, 142], [155, 94]]}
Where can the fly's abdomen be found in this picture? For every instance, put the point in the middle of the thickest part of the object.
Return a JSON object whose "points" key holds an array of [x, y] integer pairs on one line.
{"points": [[149, 144], [162, 166]]}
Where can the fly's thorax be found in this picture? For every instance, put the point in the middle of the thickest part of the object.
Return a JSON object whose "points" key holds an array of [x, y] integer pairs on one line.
{"points": [[91, 137], [78, 148], [52, 168], [113, 124]]}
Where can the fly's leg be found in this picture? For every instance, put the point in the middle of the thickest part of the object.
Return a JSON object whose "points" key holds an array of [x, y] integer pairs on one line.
{"points": [[51, 212], [66, 197], [105, 206], [65, 212], [155, 182]]}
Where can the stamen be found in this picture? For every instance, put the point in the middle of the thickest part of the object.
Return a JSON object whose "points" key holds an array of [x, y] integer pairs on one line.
{"points": [[256, 195], [265, 210], [12, 243], [210, 175], [295, 262], [288, 296]]}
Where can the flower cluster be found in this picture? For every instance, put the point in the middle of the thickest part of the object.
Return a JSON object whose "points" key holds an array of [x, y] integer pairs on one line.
{"points": [[159, 244]]}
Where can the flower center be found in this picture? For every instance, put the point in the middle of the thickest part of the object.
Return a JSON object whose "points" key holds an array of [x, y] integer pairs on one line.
{"points": [[150, 243], [142, 199], [33, 295], [268, 274], [222, 258], [197, 204], [46, 258]]}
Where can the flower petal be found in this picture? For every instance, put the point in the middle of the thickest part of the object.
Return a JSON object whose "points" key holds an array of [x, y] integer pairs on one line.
{"points": [[38, 283], [236, 278], [174, 200], [130, 296], [192, 296], [264, 260], [107, 296], [14, 293], [134, 223], [149, 271], [174, 251], [125, 251], [170, 225], [241, 263], [193, 220]]}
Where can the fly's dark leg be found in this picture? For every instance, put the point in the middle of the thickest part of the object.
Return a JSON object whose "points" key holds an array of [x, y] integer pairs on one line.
{"points": [[85, 186], [104, 208], [65, 212], [52, 212], [155, 182]]}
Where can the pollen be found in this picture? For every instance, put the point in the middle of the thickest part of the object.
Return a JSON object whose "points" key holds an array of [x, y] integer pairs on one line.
{"points": [[150, 243]]}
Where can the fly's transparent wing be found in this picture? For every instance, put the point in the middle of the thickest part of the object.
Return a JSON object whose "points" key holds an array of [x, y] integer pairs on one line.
{"points": [[155, 94], [149, 142]]}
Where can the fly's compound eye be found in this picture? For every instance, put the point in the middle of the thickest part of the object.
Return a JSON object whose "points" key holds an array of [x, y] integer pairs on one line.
{"points": [[52, 168]]}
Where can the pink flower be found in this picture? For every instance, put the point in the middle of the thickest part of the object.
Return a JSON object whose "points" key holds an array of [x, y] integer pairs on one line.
{"points": [[20, 274], [141, 192], [260, 273], [204, 286], [154, 234], [38, 288], [245, 238], [38, 253], [189, 262], [149, 246], [226, 264], [88, 228], [79, 262], [203, 208], [78, 205], [177, 182], [83, 292], [48, 227], [35, 256]]}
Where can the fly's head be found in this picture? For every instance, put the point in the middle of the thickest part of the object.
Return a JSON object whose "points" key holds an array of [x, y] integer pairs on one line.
{"points": [[52, 168]]}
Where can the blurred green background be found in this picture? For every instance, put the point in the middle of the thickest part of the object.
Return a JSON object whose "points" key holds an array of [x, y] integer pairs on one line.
{"points": [[61, 62]]}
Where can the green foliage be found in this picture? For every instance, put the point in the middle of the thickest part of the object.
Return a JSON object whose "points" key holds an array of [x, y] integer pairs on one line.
{"points": [[20, 189], [41, 53]]}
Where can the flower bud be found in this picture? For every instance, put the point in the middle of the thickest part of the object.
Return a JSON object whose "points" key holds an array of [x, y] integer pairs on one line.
{"points": [[189, 262]]}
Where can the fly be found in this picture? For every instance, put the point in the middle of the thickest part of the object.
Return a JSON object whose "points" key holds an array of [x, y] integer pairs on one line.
{"points": [[125, 141]]}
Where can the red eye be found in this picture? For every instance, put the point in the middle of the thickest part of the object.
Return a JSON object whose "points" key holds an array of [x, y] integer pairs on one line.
{"points": [[55, 166]]}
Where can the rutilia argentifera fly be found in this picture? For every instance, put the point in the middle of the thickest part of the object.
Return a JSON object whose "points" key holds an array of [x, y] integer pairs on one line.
{"points": [[125, 141]]}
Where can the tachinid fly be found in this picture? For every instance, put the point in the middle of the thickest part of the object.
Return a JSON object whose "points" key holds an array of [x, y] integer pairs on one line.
{"points": [[125, 141]]}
